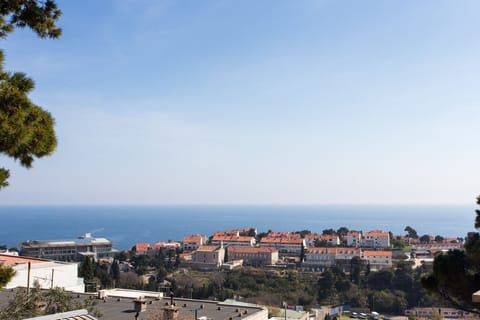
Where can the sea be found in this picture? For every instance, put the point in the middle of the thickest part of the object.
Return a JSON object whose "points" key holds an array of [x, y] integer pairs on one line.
{"points": [[128, 225]]}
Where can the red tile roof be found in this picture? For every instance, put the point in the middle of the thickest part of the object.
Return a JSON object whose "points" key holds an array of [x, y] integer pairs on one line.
{"points": [[142, 247], [196, 238], [376, 233], [368, 253]]}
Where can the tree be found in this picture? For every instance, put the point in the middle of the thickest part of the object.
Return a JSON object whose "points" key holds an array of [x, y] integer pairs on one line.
{"points": [[6, 274], [412, 233], [342, 231], [439, 239], [425, 238], [456, 274], [86, 270], [356, 266], [26, 130], [329, 232], [56, 300]]}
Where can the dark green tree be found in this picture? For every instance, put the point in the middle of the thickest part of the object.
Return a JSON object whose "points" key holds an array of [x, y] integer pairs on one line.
{"points": [[115, 270], [26, 130], [425, 238], [342, 231], [329, 232], [356, 267], [456, 274], [86, 269], [411, 233], [380, 280]]}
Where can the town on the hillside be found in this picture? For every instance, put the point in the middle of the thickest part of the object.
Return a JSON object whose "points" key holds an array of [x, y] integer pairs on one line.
{"points": [[242, 258]]}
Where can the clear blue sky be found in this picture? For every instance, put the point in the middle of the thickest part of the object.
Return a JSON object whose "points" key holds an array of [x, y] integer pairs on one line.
{"points": [[255, 102]]}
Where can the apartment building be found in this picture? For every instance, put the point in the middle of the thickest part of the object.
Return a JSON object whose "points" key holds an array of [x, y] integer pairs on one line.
{"points": [[69, 250], [253, 256]]}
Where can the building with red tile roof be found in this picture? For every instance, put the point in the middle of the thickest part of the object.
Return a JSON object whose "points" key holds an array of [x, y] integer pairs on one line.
{"points": [[141, 248], [378, 259], [376, 239], [253, 256], [320, 258], [353, 238], [193, 242]]}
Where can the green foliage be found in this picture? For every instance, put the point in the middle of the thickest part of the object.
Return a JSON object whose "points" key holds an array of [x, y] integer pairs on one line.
{"points": [[425, 238], [329, 232], [6, 274], [86, 269], [412, 233], [26, 130], [40, 16], [342, 231], [39, 302], [398, 244], [456, 274], [380, 280]]}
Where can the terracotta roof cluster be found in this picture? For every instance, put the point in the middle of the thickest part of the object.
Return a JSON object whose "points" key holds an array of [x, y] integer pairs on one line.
{"points": [[287, 235]]}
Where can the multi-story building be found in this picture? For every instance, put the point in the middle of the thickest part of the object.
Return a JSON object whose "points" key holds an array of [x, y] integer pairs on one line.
{"points": [[325, 257], [319, 257], [208, 257], [288, 246], [193, 242], [253, 256], [377, 259], [73, 250], [376, 239], [227, 241], [353, 238]]}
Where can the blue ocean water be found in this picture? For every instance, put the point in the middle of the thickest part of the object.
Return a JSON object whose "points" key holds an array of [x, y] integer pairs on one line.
{"points": [[127, 225]]}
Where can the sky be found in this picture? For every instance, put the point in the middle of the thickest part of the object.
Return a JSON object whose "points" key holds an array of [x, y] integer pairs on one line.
{"points": [[255, 102]]}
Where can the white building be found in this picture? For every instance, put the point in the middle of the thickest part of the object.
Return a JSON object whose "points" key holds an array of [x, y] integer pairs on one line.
{"points": [[48, 274], [376, 239], [378, 259], [353, 238]]}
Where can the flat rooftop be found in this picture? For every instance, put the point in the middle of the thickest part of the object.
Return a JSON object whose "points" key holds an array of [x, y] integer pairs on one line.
{"points": [[122, 308]]}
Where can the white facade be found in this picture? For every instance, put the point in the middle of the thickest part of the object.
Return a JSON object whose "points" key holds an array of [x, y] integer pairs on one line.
{"points": [[48, 274]]}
